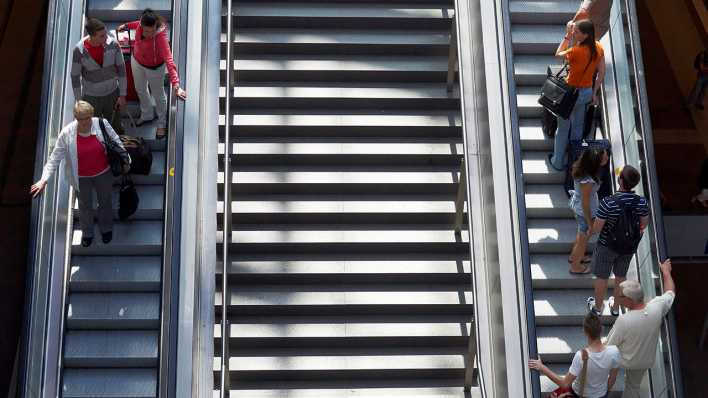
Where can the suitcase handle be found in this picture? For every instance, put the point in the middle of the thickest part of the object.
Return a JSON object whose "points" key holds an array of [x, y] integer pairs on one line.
{"points": [[130, 46]]}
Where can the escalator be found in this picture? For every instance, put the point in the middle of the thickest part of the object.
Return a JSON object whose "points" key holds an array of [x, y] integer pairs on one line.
{"points": [[534, 28], [104, 306]]}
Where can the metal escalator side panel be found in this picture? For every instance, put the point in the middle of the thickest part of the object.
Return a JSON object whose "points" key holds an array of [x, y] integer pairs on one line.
{"points": [[503, 297], [197, 55], [49, 237]]}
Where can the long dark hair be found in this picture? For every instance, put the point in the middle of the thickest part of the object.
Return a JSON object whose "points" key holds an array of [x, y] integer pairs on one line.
{"points": [[151, 18], [588, 164], [586, 27]]}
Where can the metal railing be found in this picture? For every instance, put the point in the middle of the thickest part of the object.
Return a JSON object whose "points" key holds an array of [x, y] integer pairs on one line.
{"points": [[461, 197], [452, 56], [224, 379]]}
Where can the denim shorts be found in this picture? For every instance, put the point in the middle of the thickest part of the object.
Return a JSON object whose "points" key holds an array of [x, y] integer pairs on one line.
{"points": [[582, 225]]}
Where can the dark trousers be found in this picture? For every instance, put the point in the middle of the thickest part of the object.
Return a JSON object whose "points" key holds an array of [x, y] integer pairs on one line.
{"points": [[105, 107]]}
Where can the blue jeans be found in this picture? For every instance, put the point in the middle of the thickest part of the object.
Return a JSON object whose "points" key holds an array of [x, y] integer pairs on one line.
{"points": [[571, 127]]}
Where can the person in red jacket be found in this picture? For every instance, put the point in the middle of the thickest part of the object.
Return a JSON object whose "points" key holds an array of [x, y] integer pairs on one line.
{"points": [[151, 56]]}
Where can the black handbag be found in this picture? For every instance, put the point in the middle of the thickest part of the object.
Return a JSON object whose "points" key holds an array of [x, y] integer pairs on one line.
{"points": [[128, 199], [117, 156], [557, 95]]}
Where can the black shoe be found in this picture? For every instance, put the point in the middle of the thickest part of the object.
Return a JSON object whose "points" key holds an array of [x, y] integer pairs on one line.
{"points": [[86, 242], [107, 237]]}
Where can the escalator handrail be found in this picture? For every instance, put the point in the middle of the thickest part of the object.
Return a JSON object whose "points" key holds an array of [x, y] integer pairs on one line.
{"points": [[653, 185], [172, 205], [46, 223], [527, 279]]}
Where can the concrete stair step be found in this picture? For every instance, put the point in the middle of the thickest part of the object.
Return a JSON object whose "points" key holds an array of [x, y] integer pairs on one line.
{"points": [[319, 206], [339, 68], [530, 70], [134, 383], [564, 307], [129, 238], [329, 118], [553, 235], [113, 311], [541, 39], [275, 332], [339, 272], [352, 9], [342, 177], [346, 300], [542, 12], [249, 41], [404, 390], [546, 201], [244, 268], [352, 213], [342, 183], [537, 170], [287, 235], [388, 149], [345, 95], [122, 11], [342, 15], [104, 349], [532, 137], [116, 273], [340, 368], [345, 339], [150, 206]]}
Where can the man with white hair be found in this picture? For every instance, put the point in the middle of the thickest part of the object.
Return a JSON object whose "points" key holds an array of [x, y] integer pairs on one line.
{"points": [[636, 332]]}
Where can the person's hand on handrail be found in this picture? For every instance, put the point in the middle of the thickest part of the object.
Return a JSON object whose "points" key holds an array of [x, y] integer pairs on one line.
{"points": [[180, 93], [37, 188]]}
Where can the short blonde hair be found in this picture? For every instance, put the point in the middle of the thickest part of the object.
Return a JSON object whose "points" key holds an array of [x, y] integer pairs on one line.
{"points": [[83, 109]]}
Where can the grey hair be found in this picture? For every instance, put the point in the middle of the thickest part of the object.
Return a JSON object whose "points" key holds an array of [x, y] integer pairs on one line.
{"points": [[633, 291]]}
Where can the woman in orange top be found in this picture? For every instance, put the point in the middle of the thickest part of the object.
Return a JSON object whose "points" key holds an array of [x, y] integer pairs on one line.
{"points": [[584, 59]]}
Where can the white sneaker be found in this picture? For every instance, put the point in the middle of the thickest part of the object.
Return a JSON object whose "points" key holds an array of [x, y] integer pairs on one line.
{"points": [[591, 306], [611, 303]]}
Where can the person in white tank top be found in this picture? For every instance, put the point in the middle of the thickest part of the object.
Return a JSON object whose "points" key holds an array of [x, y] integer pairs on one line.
{"points": [[603, 363]]}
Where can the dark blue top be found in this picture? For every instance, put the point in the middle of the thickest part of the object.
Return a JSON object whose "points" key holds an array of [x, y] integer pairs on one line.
{"points": [[610, 210]]}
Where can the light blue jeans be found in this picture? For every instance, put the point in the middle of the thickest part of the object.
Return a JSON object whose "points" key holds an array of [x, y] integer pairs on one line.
{"points": [[570, 128]]}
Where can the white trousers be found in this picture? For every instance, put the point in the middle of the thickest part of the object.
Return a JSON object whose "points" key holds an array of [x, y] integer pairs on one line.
{"points": [[155, 80], [633, 383]]}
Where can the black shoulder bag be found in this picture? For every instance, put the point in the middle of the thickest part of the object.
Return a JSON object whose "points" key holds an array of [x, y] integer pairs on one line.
{"points": [[116, 155], [557, 96]]}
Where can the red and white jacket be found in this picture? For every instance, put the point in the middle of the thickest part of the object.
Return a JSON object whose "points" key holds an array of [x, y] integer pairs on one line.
{"points": [[154, 51]]}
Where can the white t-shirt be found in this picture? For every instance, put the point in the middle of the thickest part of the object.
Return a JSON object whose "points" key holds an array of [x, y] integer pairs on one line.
{"points": [[599, 366], [636, 333]]}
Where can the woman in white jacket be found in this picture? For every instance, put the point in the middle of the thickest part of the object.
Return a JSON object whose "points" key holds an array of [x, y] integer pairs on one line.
{"points": [[80, 144]]}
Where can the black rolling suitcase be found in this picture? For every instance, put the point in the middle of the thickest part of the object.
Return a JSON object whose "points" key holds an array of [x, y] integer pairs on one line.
{"points": [[575, 149]]}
